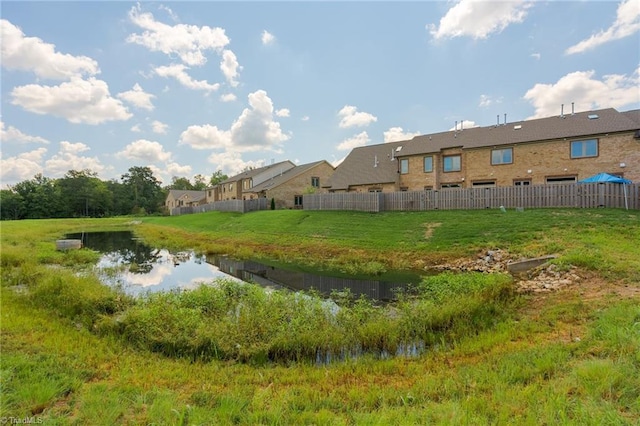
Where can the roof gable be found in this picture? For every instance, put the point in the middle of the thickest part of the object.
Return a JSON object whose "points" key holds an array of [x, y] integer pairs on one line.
{"points": [[286, 176], [254, 172], [372, 164], [178, 194]]}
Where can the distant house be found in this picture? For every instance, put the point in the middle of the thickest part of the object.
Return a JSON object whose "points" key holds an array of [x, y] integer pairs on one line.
{"points": [[184, 198], [367, 169], [288, 188], [233, 188], [559, 149]]}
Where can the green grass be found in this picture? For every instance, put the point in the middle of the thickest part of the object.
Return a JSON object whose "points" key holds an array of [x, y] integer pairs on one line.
{"points": [[357, 241], [74, 352]]}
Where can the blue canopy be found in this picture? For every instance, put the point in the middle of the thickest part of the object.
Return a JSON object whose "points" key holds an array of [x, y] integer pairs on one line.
{"points": [[605, 177]]}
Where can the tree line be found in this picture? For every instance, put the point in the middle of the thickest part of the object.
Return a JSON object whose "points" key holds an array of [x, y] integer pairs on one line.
{"points": [[80, 193]]}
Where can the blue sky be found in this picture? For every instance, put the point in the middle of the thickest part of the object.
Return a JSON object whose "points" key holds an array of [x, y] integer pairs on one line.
{"points": [[190, 88]]}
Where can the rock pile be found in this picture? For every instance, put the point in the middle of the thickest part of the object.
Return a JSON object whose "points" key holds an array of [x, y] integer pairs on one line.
{"points": [[545, 278], [486, 261]]}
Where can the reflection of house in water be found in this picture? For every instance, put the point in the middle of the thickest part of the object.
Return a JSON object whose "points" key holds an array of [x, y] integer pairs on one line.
{"points": [[269, 276]]}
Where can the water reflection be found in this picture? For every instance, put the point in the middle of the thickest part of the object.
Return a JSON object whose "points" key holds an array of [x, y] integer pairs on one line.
{"points": [[138, 268], [265, 275]]}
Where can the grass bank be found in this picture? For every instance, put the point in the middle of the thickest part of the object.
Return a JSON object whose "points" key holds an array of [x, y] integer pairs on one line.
{"points": [[75, 352], [603, 240]]}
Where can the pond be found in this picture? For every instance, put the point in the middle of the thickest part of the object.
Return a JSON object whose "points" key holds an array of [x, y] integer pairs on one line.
{"points": [[136, 267]]}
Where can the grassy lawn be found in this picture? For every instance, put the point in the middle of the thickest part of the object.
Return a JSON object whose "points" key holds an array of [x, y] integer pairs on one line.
{"points": [[76, 352]]}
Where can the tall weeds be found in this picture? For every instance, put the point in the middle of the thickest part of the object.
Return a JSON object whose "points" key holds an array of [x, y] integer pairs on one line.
{"points": [[231, 320]]}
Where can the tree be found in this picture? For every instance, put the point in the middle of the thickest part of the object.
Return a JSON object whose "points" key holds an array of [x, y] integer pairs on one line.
{"points": [[147, 195], [182, 183], [11, 205], [200, 182], [40, 196], [83, 194], [121, 202], [217, 177]]}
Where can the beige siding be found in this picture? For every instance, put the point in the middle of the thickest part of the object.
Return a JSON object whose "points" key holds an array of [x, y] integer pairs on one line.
{"points": [[534, 161], [285, 194]]}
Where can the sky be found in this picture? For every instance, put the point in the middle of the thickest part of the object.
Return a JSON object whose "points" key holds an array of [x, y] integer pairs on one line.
{"points": [[188, 88]]}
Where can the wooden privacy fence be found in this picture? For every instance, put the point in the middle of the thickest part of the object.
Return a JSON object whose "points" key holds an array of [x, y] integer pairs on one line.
{"points": [[582, 195], [240, 206]]}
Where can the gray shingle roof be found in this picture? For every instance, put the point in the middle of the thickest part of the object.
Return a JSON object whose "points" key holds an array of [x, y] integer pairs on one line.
{"points": [[253, 172], [364, 165], [634, 115], [284, 177], [569, 126], [193, 195]]}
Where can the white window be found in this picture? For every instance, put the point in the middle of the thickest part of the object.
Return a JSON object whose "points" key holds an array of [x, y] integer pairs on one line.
{"points": [[451, 163], [584, 149], [502, 156], [404, 166], [428, 164]]}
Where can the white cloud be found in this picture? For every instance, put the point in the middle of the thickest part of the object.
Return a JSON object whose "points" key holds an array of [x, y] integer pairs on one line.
{"points": [[32, 54], [360, 139], [178, 72], [136, 128], [479, 19], [283, 112], [73, 148], [254, 130], [21, 167], [159, 127], [397, 134], [78, 101], [138, 97], [230, 67], [305, 118], [585, 91], [464, 124], [189, 42], [230, 163], [228, 97], [144, 150], [67, 159], [13, 134], [536, 56], [487, 101], [175, 169], [206, 137], [169, 170], [349, 117], [267, 38], [626, 24]]}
